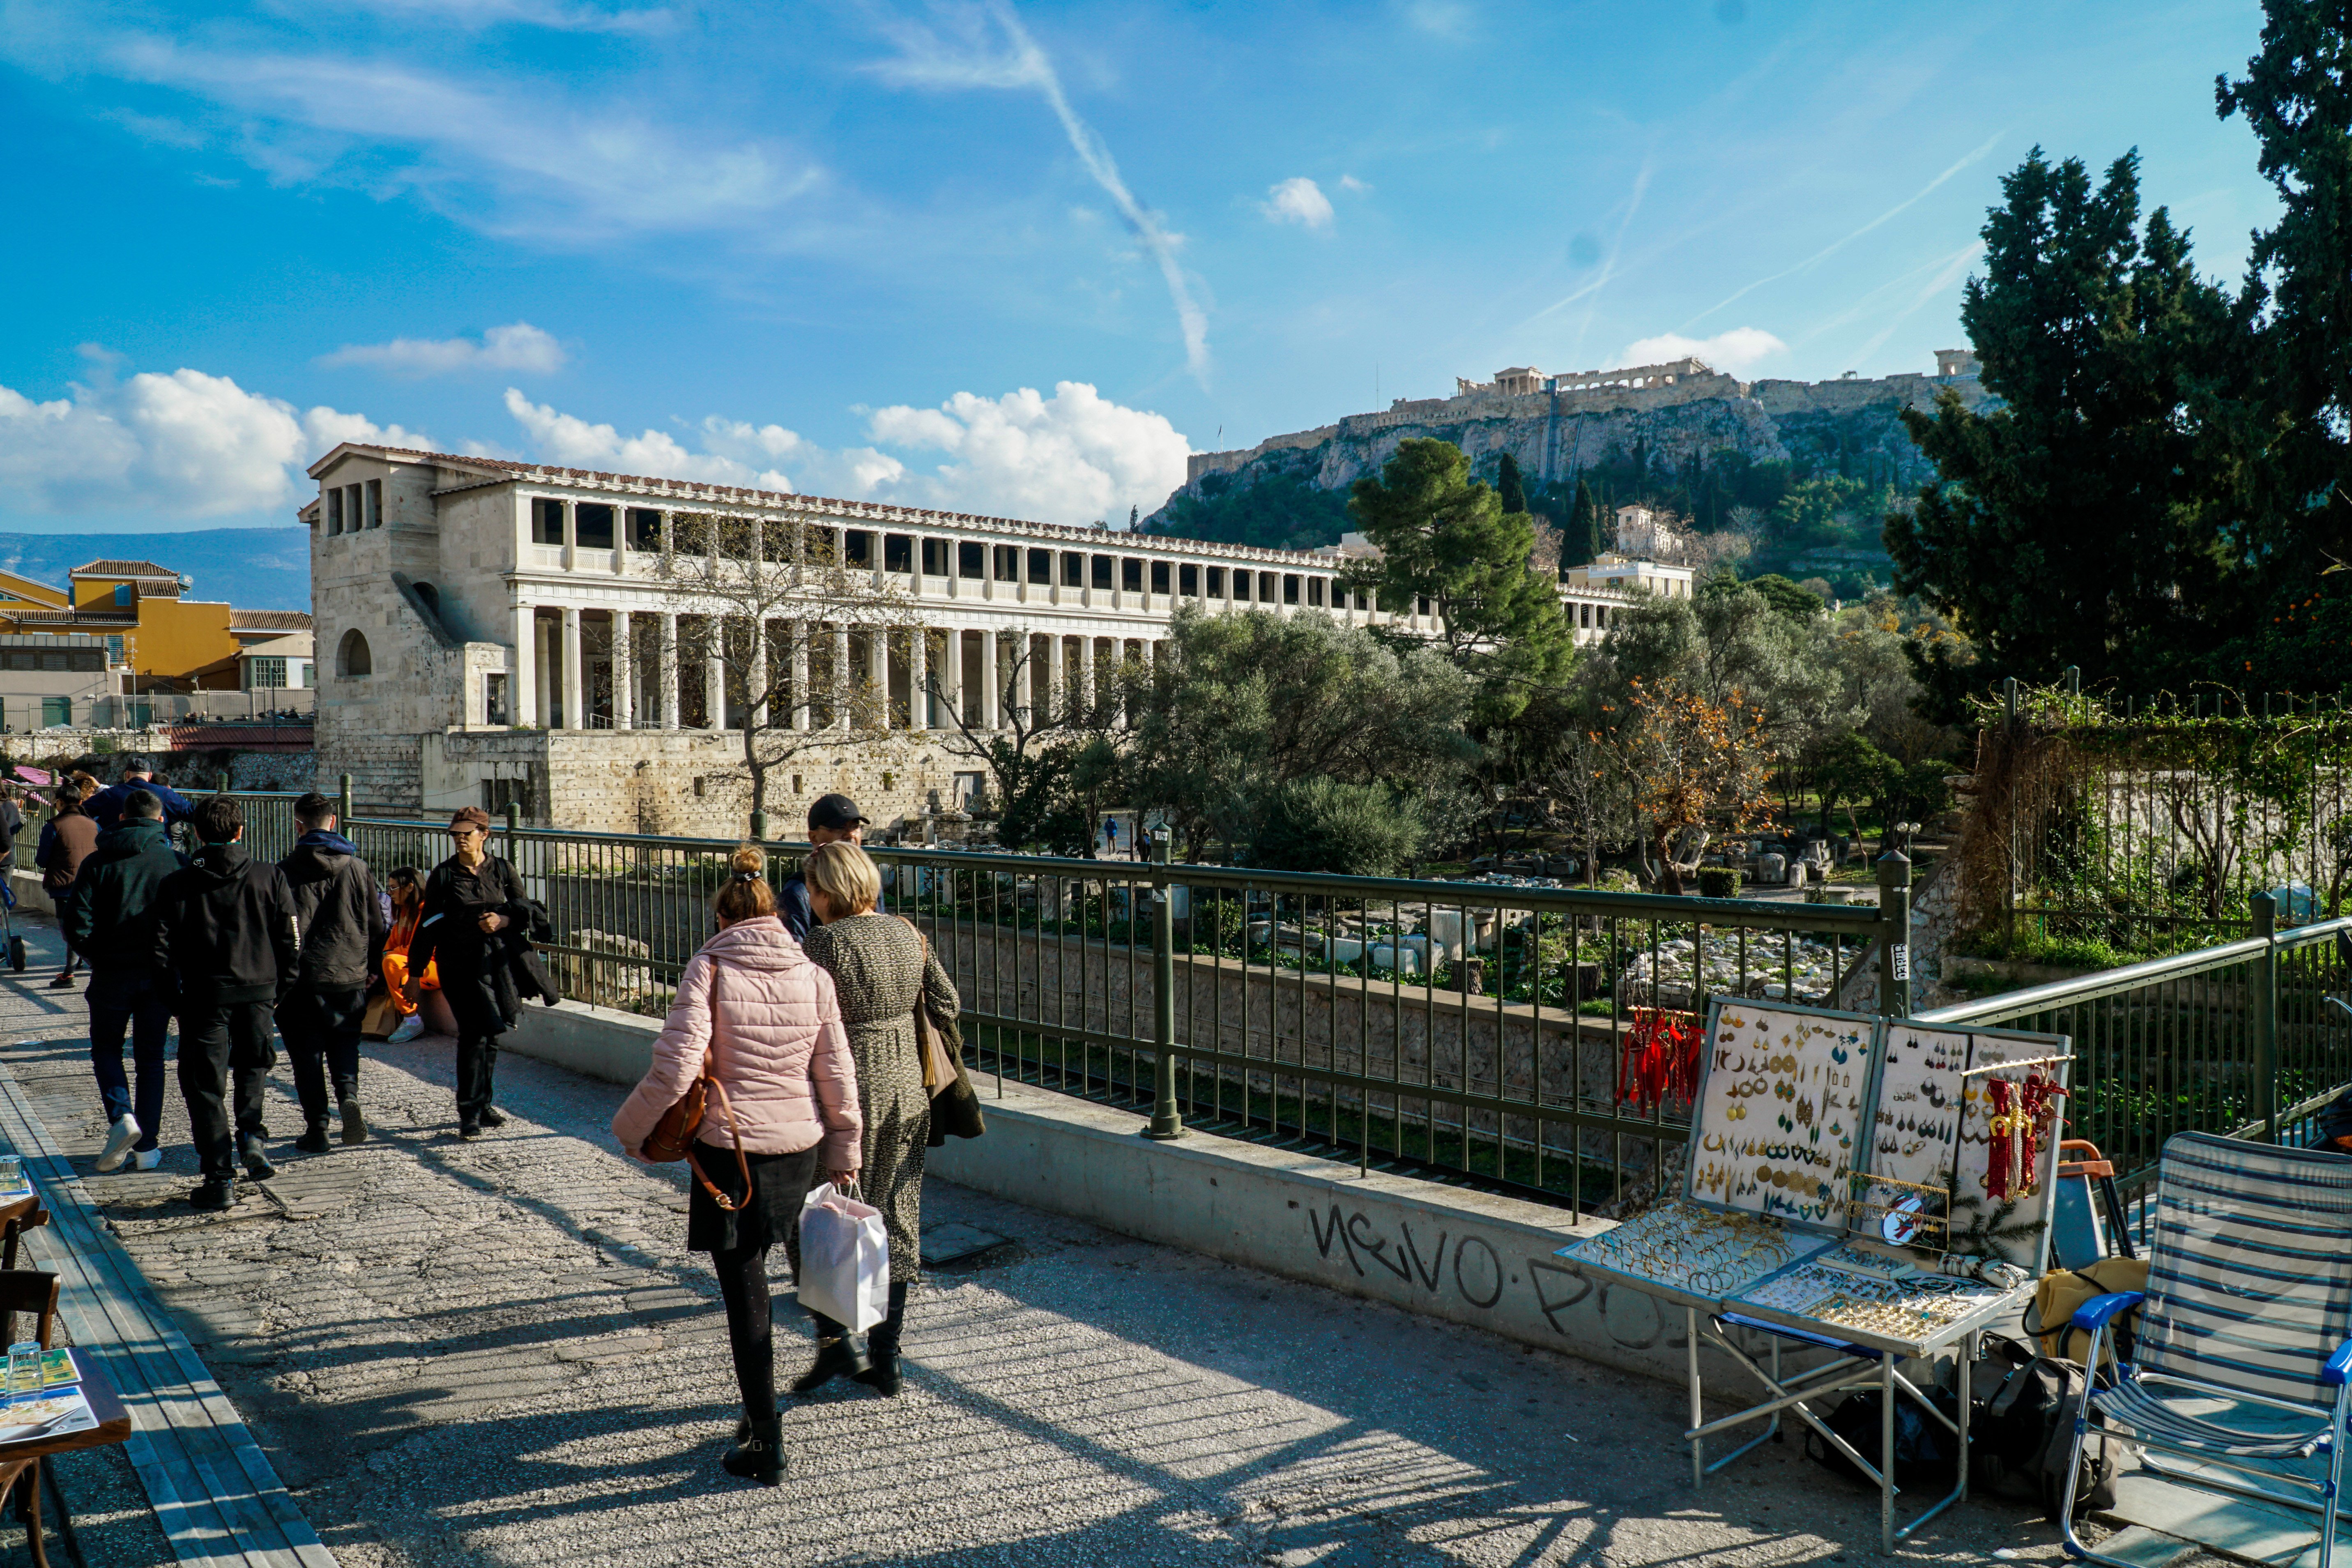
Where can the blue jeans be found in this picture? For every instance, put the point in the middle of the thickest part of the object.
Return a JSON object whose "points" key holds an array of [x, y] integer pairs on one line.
{"points": [[138, 1003]]}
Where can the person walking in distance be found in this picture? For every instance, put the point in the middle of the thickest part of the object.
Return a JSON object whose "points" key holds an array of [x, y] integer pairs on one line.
{"points": [[882, 972], [225, 928], [473, 901], [107, 805], [66, 838], [342, 918], [761, 1019], [834, 819], [112, 918], [12, 822]]}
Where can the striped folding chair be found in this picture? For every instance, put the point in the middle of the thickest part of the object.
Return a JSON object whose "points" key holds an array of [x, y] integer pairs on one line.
{"points": [[2245, 1339]]}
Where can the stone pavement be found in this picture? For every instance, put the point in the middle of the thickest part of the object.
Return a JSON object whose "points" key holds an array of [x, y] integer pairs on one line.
{"points": [[499, 1353]]}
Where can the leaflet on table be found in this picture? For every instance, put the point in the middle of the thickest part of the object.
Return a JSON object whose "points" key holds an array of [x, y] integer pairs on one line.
{"points": [[1862, 1290], [20, 1189], [1702, 1253], [46, 1415], [1780, 1124], [58, 1368]]}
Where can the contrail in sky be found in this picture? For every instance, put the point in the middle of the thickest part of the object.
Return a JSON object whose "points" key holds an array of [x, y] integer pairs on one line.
{"points": [[1957, 263], [1608, 267], [1836, 246]]}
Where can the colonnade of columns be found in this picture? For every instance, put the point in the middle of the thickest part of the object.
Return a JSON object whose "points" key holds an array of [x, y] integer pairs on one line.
{"points": [[574, 669]]}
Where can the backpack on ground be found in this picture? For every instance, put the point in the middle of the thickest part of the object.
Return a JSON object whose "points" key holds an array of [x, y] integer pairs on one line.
{"points": [[2022, 1429], [1926, 1452]]}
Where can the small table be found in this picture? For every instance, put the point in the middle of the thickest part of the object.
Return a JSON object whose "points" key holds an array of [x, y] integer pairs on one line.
{"points": [[114, 1426]]}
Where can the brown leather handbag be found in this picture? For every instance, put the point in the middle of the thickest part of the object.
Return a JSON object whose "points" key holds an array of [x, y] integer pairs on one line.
{"points": [[672, 1138]]}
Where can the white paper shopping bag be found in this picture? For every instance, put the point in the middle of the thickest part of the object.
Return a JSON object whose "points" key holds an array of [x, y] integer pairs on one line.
{"points": [[845, 1259]]}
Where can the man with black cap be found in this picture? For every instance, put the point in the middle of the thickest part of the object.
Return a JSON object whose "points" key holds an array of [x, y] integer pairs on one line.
{"points": [[834, 818], [105, 807]]}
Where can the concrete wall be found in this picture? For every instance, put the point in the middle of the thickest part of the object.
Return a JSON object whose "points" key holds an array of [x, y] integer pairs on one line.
{"points": [[1463, 1257]]}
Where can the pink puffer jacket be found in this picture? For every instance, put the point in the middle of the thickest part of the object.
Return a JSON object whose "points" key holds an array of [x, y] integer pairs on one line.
{"points": [[781, 1052]]}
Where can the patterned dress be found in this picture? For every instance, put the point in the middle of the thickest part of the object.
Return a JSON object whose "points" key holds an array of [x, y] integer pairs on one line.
{"points": [[879, 972]]}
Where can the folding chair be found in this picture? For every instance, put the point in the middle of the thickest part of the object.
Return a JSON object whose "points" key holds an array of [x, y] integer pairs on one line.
{"points": [[2248, 1306], [2087, 1223]]}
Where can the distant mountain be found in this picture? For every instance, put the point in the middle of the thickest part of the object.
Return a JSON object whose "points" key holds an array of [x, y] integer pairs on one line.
{"points": [[252, 568]]}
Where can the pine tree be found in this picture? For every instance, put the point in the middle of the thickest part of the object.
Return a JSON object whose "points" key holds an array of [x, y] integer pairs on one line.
{"points": [[1509, 487], [1584, 527]]}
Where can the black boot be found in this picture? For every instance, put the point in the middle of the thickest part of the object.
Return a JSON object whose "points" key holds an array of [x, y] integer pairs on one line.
{"points": [[882, 1346], [314, 1139], [838, 1355], [760, 1456]]}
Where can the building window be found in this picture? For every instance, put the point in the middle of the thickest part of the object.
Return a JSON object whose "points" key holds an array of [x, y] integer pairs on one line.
{"points": [[1266, 587], [1315, 591], [546, 521], [334, 510], [898, 553], [1363, 600], [858, 548], [123, 595], [494, 699], [1074, 569], [499, 794], [1217, 582], [1041, 568], [352, 660], [971, 560], [375, 504], [1130, 574], [1102, 571], [1241, 587], [935, 558], [1290, 587], [264, 672], [1422, 606], [645, 528], [1160, 576], [1008, 564], [354, 510], [1188, 581], [592, 525], [114, 651], [55, 710]]}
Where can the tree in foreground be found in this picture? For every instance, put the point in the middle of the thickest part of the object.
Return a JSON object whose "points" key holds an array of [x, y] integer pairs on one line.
{"points": [[1445, 537], [1689, 764]]}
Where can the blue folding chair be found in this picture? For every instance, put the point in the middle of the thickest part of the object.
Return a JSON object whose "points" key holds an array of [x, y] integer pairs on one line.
{"points": [[2245, 1337]]}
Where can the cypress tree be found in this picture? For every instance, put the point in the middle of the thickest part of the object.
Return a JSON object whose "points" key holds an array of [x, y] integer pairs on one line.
{"points": [[1509, 487]]}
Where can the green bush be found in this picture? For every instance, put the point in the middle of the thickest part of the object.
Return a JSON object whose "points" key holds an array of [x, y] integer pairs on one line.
{"points": [[1321, 825], [1719, 882]]}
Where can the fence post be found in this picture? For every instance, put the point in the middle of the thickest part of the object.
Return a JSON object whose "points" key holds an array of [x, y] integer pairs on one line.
{"points": [[2008, 750], [346, 803], [514, 832], [1894, 935], [1165, 1122], [220, 783], [2266, 1069]]}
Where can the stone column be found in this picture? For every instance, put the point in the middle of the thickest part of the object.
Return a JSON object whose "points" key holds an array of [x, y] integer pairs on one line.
{"points": [[755, 683], [522, 679], [1086, 676], [800, 633], [575, 706], [665, 659], [625, 672], [991, 690], [714, 677], [878, 662], [1057, 676], [919, 656], [570, 534], [951, 676], [840, 666]]}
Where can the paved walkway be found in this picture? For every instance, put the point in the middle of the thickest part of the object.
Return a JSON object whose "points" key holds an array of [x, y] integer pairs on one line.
{"points": [[499, 1353]]}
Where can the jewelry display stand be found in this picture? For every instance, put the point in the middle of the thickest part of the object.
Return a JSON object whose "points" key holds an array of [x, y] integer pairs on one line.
{"points": [[1865, 1143]]}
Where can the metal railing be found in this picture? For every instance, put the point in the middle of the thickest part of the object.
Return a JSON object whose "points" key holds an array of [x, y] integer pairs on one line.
{"points": [[2237, 1039], [1463, 1030]]}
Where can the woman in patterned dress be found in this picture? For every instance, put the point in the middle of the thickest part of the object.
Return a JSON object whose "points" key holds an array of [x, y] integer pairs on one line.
{"points": [[881, 971]]}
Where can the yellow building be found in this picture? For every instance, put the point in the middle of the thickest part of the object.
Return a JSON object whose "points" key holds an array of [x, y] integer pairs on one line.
{"points": [[161, 640]]}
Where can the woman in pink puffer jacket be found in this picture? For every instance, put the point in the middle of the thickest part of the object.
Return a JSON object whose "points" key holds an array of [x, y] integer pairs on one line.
{"points": [[768, 1020]]}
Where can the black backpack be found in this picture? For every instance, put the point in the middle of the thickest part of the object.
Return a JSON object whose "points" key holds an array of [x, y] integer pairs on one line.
{"points": [[1925, 1453], [2022, 1427]]}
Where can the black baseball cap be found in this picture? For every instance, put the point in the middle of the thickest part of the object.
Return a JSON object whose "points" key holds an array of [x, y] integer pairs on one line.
{"points": [[835, 812]]}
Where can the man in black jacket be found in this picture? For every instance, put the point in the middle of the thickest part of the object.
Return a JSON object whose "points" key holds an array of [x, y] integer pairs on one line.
{"points": [[340, 921], [475, 915], [225, 928], [112, 918]]}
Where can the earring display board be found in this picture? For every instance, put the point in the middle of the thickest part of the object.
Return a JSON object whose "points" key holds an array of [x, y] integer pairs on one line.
{"points": [[1779, 1127], [1870, 1299], [1907, 1197], [1693, 1255], [2012, 1227]]}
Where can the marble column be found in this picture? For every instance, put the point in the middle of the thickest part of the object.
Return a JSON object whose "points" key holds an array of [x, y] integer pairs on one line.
{"points": [[840, 669], [522, 677], [1058, 692], [992, 690], [800, 633], [625, 672], [878, 668], [951, 676], [1087, 678], [714, 676], [666, 658], [575, 716], [918, 697], [755, 683]]}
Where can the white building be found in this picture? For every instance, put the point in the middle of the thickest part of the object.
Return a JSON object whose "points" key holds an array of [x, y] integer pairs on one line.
{"points": [[280, 663], [494, 631]]}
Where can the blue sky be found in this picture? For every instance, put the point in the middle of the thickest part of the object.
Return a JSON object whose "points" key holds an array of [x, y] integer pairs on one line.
{"points": [[1008, 258]]}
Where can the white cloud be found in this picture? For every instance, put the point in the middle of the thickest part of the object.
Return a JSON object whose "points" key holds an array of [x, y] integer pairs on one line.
{"points": [[185, 445], [1073, 458], [925, 59], [1735, 352], [1354, 186], [528, 13], [1298, 200], [517, 346]]}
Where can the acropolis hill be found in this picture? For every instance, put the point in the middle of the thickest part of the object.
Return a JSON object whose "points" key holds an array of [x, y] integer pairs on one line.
{"points": [[1657, 415]]}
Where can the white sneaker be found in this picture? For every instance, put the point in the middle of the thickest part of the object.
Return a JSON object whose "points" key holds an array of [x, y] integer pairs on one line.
{"points": [[409, 1028], [147, 1159], [117, 1141]]}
